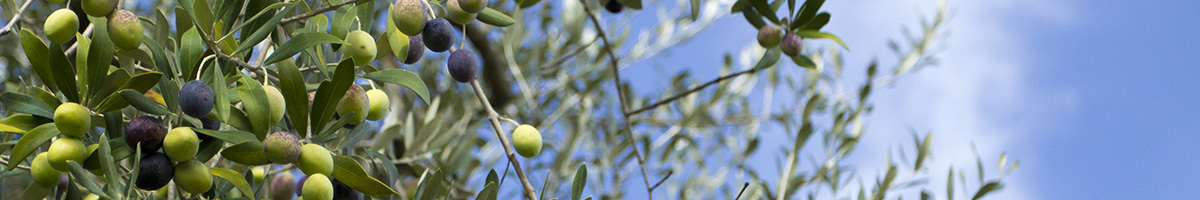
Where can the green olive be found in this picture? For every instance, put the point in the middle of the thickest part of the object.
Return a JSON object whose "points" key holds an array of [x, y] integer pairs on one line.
{"points": [[192, 176], [44, 174], [278, 105], [315, 159], [379, 104], [317, 187], [360, 46], [72, 119], [67, 149], [181, 144], [527, 141]]}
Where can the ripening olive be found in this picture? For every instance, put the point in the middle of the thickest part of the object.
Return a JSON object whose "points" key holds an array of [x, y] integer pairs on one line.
{"points": [[791, 44], [416, 49], [125, 29], [409, 16], [282, 147], [354, 105], [769, 36], [283, 187]]}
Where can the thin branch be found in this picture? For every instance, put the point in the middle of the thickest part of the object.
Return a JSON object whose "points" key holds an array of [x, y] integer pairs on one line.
{"points": [[744, 186], [8, 28], [621, 95], [664, 179], [5, 160], [512, 156], [316, 12], [694, 90]]}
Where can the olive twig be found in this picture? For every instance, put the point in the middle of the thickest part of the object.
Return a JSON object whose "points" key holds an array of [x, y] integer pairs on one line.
{"points": [[508, 149], [316, 12], [621, 97], [8, 28], [4, 161]]}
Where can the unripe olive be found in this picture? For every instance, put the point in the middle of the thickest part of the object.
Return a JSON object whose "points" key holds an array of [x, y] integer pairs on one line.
{"points": [[98, 8], [462, 65], [283, 187], [125, 29], [67, 149], [360, 46], [769, 36], [193, 177], [278, 105], [354, 105], [472, 6], [72, 119], [259, 173], [416, 49], [282, 147], [44, 174], [91, 197], [791, 44], [181, 144], [455, 13], [527, 141], [196, 99], [343, 192], [409, 16], [155, 170], [146, 130], [61, 25], [379, 104], [315, 159], [317, 187], [438, 35]]}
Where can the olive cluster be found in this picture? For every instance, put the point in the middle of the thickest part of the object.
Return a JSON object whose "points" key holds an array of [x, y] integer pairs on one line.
{"points": [[124, 28]]}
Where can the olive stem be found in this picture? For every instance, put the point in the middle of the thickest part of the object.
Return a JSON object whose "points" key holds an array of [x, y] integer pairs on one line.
{"points": [[621, 97], [508, 149], [8, 28]]}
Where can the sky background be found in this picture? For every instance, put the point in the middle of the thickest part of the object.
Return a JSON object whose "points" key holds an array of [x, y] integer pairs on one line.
{"points": [[1095, 98]]}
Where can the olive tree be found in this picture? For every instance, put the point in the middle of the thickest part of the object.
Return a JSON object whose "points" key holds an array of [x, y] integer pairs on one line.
{"points": [[436, 99]]}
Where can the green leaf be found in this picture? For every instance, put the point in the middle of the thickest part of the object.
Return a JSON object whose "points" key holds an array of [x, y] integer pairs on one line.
{"points": [[987, 188], [10, 129], [763, 8], [493, 178], [202, 14], [769, 59], [30, 142], [357, 134], [430, 185], [254, 101], [24, 121], [404, 78], [141, 102], [100, 54], [36, 193], [494, 17], [352, 174], [64, 74], [26, 104], [35, 51], [295, 94], [343, 18], [81, 176], [140, 83], [631, 4], [488, 192], [815, 34], [233, 177], [191, 51], [580, 181], [110, 84], [817, 22], [330, 92], [231, 136], [246, 153], [753, 17], [299, 43], [216, 81], [807, 11], [262, 33], [82, 44]]}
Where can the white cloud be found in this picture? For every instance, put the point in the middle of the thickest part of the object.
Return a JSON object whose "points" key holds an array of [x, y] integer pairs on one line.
{"points": [[977, 94]]}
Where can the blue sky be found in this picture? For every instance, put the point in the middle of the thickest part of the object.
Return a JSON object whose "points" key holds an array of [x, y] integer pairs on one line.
{"points": [[1095, 98]]}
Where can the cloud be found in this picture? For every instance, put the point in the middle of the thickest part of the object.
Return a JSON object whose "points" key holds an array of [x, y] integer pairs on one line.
{"points": [[978, 94]]}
